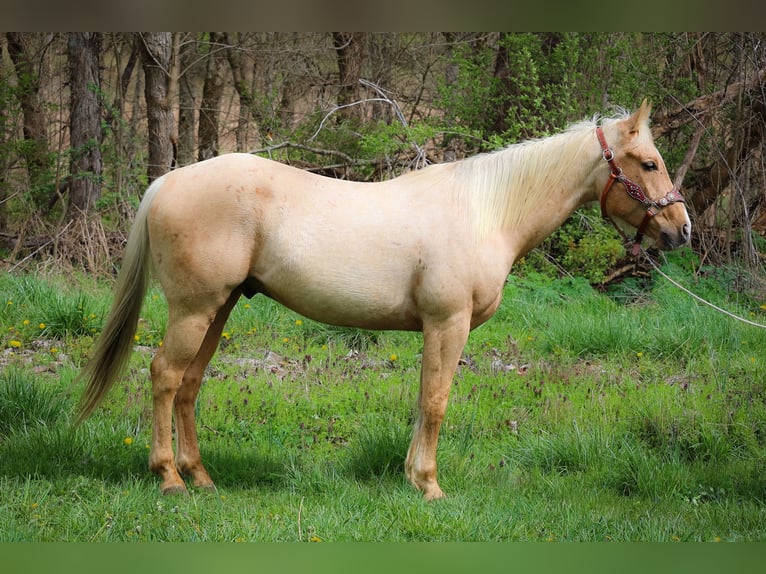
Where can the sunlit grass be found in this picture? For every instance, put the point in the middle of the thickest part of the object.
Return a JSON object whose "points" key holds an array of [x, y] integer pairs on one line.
{"points": [[574, 416]]}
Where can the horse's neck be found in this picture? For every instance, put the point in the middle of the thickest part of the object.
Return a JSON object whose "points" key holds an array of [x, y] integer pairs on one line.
{"points": [[542, 222], [548, 203]]}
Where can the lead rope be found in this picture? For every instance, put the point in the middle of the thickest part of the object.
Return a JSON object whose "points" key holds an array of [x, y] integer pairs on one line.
{"points": [[697, 297]]}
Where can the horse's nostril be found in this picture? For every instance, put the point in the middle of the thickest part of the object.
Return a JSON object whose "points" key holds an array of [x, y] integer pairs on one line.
{"points": [[686, 231]]}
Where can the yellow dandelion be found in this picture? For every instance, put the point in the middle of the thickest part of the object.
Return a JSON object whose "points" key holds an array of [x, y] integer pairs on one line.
{"points": [[136, 338], [393, 356], [127, 441], [54, 350], [9, 303], [35, 505], [315, 538], [298, 322], [15, 344], [25, 322], [285, 339], [41, 326], [226, 335], [639, 354]]}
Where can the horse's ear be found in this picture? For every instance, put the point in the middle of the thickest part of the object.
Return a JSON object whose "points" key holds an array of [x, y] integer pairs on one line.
{"points": [[640, 117]]}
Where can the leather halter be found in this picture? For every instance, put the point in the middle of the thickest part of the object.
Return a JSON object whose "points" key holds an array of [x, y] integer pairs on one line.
{"points": [[633, 190]]}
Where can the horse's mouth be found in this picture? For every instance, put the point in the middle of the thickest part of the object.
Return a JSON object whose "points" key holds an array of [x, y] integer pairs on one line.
{"points": [[669, 240]]}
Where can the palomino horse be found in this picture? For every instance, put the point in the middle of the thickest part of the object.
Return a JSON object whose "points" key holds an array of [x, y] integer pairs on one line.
{"points": [[429, 251]]}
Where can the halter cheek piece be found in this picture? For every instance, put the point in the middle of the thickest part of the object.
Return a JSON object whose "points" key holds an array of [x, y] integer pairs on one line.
{"points": [[633, 190]]}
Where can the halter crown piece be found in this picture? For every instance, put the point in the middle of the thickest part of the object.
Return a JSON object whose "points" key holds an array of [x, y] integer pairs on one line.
{"points": [[633, 190]]}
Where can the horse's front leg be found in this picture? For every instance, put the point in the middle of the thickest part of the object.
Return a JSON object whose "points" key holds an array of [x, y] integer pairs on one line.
{"points": [[443, 343]]}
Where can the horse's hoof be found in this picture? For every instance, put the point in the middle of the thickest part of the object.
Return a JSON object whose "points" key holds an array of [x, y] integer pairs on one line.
{"points": [[434, 494]]}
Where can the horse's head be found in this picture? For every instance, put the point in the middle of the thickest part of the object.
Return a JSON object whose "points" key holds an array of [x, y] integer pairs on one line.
{"points": [[636, 188]]}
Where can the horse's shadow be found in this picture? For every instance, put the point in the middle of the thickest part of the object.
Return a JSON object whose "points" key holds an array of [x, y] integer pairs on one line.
{"points": [[58, 452]]}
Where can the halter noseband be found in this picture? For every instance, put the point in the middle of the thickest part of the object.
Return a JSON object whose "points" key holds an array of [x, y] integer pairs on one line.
{"points": [[633, 190]]}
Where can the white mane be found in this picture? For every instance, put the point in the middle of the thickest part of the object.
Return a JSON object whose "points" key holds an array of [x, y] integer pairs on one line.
{"points": [[502, 188]]}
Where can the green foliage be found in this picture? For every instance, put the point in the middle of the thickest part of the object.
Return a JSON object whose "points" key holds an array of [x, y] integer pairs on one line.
{"points": [[26, 404], [548, 81], [585, 246]]}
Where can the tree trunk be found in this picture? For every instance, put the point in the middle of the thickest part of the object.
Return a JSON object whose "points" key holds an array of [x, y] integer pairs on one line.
{"points": [[188, 92], [84, 122], [212, 91], [349, 49], [244, 92], [382, 59], [157, 51], [35, 151]]}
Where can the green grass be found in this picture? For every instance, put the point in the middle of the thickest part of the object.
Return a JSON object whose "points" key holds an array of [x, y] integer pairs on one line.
{"points": [[575, 415]]}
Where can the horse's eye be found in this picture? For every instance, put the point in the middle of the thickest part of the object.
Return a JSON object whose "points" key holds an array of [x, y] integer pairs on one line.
{"points": [[650, 166]]}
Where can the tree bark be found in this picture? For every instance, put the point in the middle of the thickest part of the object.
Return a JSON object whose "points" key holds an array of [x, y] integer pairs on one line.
{"points": [[247, 108], [350, 53], [35, 152], [188, 94], [212, 91], [84, 123], [157, 51]]}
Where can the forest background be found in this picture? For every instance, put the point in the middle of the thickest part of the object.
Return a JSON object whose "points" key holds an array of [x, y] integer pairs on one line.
{"points": [[87, 120]]}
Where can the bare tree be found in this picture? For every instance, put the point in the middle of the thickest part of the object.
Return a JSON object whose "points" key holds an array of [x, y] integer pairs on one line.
{"points": [[84, 122], [157, 52]]}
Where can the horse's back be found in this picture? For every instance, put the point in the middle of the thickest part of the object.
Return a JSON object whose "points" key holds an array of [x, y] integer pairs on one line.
{"points": [[362, 254]]}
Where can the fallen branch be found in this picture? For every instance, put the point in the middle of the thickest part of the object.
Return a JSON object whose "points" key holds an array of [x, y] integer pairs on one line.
{"points": [[698, 108]]}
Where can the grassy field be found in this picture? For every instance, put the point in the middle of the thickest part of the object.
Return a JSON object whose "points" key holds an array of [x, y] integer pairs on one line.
{"points": [[634, 415]]}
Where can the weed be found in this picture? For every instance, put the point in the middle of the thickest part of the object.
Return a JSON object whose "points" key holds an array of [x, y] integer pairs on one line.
{"points": [[26, 403]]}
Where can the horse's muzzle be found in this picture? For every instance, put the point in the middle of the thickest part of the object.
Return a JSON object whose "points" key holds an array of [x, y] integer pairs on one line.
{"points": [[670, 240]]}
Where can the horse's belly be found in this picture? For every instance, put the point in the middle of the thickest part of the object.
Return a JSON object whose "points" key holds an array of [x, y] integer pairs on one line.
{"points": [[346, 298]]}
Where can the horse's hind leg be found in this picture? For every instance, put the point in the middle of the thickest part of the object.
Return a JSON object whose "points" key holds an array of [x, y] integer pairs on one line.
{"points": [[188, 459], [184, 337]]}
